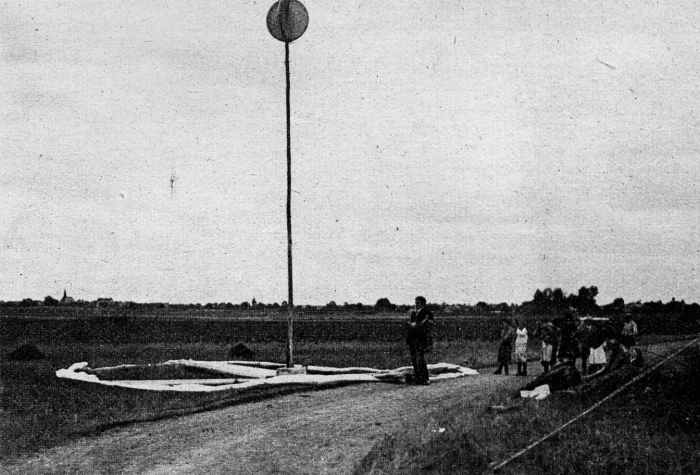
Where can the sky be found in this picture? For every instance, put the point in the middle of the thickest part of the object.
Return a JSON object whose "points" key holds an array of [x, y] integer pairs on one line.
{"points": [[464, 151]]}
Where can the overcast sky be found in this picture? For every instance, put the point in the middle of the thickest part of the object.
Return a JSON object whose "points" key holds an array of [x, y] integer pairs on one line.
{"points": [[464, 151]]}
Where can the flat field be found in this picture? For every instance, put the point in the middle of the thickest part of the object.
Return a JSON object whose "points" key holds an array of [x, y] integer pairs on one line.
{"points": [[384, 428], [40, 410], [89, 326]]}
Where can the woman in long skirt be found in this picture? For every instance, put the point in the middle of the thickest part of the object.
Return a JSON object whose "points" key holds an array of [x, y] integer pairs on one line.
{"points": [[597, 359], [521, 348]]}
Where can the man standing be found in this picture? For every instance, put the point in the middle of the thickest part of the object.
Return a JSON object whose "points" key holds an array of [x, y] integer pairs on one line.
{"points": [[420, 341]]}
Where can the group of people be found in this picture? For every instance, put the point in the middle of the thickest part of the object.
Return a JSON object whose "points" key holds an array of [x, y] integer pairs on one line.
{"points": [[564, 341], [511, 337], [593, 343]]}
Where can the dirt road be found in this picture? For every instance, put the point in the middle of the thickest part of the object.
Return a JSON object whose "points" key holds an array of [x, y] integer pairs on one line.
{"points": [[315, 432]]}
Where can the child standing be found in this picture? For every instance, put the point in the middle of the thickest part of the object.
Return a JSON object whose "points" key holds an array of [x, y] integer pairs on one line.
{"points": [[521, 348], [505, 349], [548, 334]]}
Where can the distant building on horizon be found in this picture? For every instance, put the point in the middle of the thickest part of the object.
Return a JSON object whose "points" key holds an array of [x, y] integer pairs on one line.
{"points": [[104, 302], [66, 300]]}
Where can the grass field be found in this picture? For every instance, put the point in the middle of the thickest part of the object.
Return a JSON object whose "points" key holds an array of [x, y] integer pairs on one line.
{"points": [[651, 429], [148, 329], [40, 410]]}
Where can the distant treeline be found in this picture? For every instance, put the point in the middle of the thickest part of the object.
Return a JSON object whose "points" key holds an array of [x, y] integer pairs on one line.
{"points": [[654, 317], [545, 303]]}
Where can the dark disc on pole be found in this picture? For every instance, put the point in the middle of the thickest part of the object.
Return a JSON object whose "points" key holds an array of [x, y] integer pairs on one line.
{"points": [[287, 20]]}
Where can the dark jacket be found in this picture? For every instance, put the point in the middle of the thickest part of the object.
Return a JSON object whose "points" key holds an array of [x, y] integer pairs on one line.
{"points": [[563, 376], [592, 337], [547, 333], [505, 349], [421, 335], [507, 335], [568, 345]]}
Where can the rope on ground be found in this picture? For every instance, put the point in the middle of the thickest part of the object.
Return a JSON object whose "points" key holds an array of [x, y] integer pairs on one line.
{"points": [[496, 466], [646, 350]]}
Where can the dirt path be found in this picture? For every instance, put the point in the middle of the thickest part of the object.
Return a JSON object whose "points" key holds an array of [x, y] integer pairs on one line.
{"points": [[315, 432]]}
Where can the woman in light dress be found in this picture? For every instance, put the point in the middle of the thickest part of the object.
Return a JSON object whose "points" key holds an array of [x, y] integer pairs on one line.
{"points": [[597, 359], [521, 348]]}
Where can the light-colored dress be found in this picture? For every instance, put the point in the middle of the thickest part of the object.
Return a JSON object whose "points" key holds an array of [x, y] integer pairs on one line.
{"points": [[547, 350], [521, 345], [597, 356], [547, 333], [630, 329]]}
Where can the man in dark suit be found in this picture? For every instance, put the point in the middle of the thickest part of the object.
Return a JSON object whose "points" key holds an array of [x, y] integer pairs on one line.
{"points": [[420, 340]]}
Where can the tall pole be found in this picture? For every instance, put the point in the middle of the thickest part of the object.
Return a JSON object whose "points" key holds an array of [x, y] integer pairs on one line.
{"points": [[287, 21], [290, 302]]}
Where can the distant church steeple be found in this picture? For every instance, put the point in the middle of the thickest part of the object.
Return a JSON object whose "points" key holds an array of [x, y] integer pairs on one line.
{"points": [[66, 300]]}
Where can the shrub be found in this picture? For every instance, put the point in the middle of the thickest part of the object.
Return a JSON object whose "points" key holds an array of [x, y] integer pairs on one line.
{"points": [[26, 352]]}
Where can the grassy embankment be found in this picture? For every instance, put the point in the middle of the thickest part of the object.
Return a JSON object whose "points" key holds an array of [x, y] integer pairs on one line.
{"points": [[651, 428]]}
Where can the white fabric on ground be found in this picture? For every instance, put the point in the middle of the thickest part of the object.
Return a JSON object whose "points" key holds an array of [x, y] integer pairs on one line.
{"points": [[258, 364], [121, 366], [72, 373], [539, 393], [435, 369], [330, 370], [224, 367], [264, 377]]}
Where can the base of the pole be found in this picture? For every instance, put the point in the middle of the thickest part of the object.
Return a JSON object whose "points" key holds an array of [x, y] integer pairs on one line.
{"points": [[296, 369]]}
